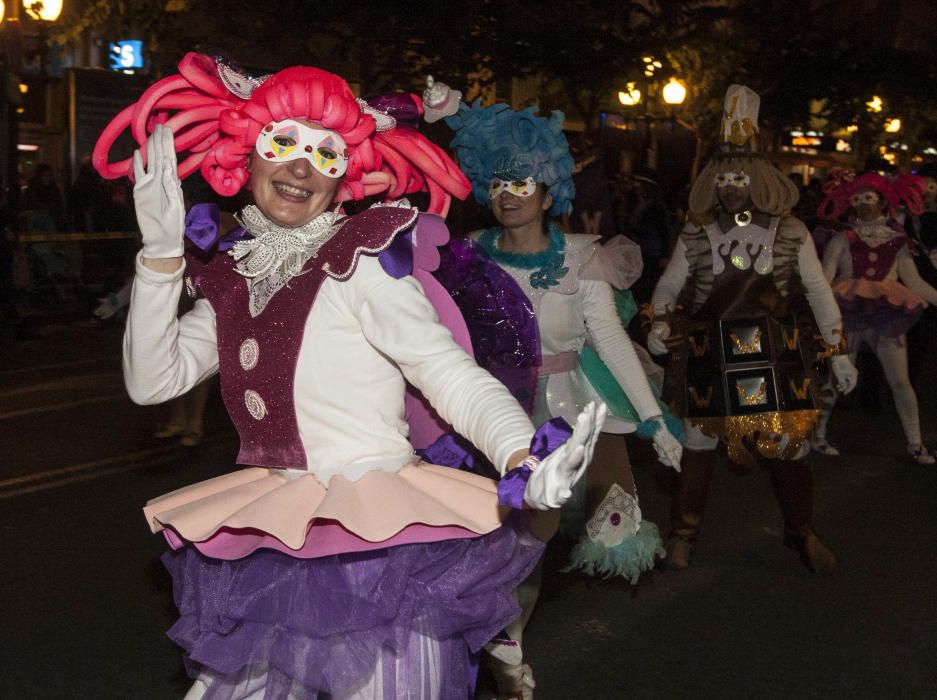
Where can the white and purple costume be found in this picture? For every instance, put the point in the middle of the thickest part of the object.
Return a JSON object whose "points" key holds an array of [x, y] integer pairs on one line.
{"points": [[315, 386]]}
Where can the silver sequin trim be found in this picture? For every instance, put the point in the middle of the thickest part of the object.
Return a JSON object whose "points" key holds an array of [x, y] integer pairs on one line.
{"points": [[189, 286], [249, 353], [255, 405]]}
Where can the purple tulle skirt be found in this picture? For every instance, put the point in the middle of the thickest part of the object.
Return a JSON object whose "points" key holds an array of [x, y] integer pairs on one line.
{"points": [[326, 624]]}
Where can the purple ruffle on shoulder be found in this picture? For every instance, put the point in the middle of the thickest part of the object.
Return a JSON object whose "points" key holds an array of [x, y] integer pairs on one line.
{"points": [[324, 622], [201, 224], [401, 106], [499, 316], [417, 248]]}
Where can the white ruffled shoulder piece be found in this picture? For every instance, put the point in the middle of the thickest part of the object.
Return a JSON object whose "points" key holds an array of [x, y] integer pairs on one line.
{"points": [[617, 262], [578, 250]]}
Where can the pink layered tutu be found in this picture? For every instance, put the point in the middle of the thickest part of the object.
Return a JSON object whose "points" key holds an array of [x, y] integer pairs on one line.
{"points": [[257, 508], [885, 306]]}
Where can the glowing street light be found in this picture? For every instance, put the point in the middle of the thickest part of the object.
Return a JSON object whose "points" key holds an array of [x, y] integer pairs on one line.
{"points": [[630, 96], [875, 104], [3, 9], [893, 125], [674, 92], [45, 10]]}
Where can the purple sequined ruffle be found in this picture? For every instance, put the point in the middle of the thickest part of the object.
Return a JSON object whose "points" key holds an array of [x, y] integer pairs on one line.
{"points": [[499, 316], [323, 622]]}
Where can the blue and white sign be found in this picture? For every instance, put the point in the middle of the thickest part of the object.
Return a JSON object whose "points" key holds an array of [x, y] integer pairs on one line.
{"points": [[126, 55]]}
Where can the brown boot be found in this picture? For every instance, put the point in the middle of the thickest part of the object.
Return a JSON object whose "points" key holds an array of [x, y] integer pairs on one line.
{"points": [[688, 504], [678, 552], [793, 483], [815, 555]]}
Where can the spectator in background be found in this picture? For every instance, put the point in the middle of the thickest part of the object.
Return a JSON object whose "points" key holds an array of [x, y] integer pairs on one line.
{"points": [[8, 312], [87, 198], [41, 208], [593, 212], [923, 230], [646, 222], [42, 211]]}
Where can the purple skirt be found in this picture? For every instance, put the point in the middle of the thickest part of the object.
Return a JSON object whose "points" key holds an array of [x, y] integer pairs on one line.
{"points": [[324, 623]]}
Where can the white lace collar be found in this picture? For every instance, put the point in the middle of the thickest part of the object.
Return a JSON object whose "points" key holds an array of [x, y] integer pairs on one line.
{"points": [[875, 232], [276, 254]]}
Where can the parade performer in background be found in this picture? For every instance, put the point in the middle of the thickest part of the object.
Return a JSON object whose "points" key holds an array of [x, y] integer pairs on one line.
{"points": [[877, 284], [734, 309], [338, 563], [519, 166]]}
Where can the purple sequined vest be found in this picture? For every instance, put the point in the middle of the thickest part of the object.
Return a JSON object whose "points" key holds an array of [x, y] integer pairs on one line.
{"points": [[258, 356], [873, 263]]}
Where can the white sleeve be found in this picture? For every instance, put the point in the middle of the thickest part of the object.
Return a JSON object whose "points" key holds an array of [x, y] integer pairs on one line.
{"points": [[400, 322], [833, 254], [614, 347], [911, 278], [818, 292], [672, 281], [165, 356]]}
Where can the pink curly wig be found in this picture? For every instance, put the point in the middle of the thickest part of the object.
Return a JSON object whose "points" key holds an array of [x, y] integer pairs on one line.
{"points": [[902, 191], [218, 129]]}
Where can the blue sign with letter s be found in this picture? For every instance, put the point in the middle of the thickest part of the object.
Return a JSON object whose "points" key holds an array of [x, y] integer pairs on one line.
{"points": [[126, 55]]}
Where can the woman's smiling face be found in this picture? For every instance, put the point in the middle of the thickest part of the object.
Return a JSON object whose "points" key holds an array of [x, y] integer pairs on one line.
{"points": [[290, 193], [514, 211]]}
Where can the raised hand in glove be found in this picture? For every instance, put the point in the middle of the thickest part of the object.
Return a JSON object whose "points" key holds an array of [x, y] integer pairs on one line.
{"points": [[551, 481], [845, 373], [660, 331], [668, 448], [157, 197]]}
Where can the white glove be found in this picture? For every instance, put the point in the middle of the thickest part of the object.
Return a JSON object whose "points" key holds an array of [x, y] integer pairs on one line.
{"points": [[551, 482], [845, 373], [660, 331], [157, 197], [668, 448]]}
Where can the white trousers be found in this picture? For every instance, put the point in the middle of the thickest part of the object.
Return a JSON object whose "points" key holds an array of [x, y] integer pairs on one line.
{"points": [[892, 354]]}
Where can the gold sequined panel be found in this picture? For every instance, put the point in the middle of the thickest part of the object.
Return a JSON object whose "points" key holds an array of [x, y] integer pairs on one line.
{"points": [[761, 431]]}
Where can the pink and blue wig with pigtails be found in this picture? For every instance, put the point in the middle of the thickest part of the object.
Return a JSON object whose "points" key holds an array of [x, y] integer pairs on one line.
{"points": [[216, 114]]}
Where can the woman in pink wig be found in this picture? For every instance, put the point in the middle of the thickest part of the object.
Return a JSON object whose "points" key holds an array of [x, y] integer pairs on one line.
{"points": [[338, 562], [877, 285]]}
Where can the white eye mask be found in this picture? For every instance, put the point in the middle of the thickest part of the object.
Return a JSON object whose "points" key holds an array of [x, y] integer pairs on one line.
{"points": [[280, 142], [730, 179], [859, 199], [519, 188]]}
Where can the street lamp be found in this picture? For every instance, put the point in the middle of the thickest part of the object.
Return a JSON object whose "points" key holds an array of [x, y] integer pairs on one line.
{"points": [[893, 125], [674, 92], [44, 10], [630, 96]]}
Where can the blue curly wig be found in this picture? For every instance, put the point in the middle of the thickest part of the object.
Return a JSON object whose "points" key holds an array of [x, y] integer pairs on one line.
{"points": [[496, 141]]}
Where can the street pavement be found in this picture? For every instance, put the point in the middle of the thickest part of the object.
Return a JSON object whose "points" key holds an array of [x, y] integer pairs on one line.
{"points": [[84, 600]]}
